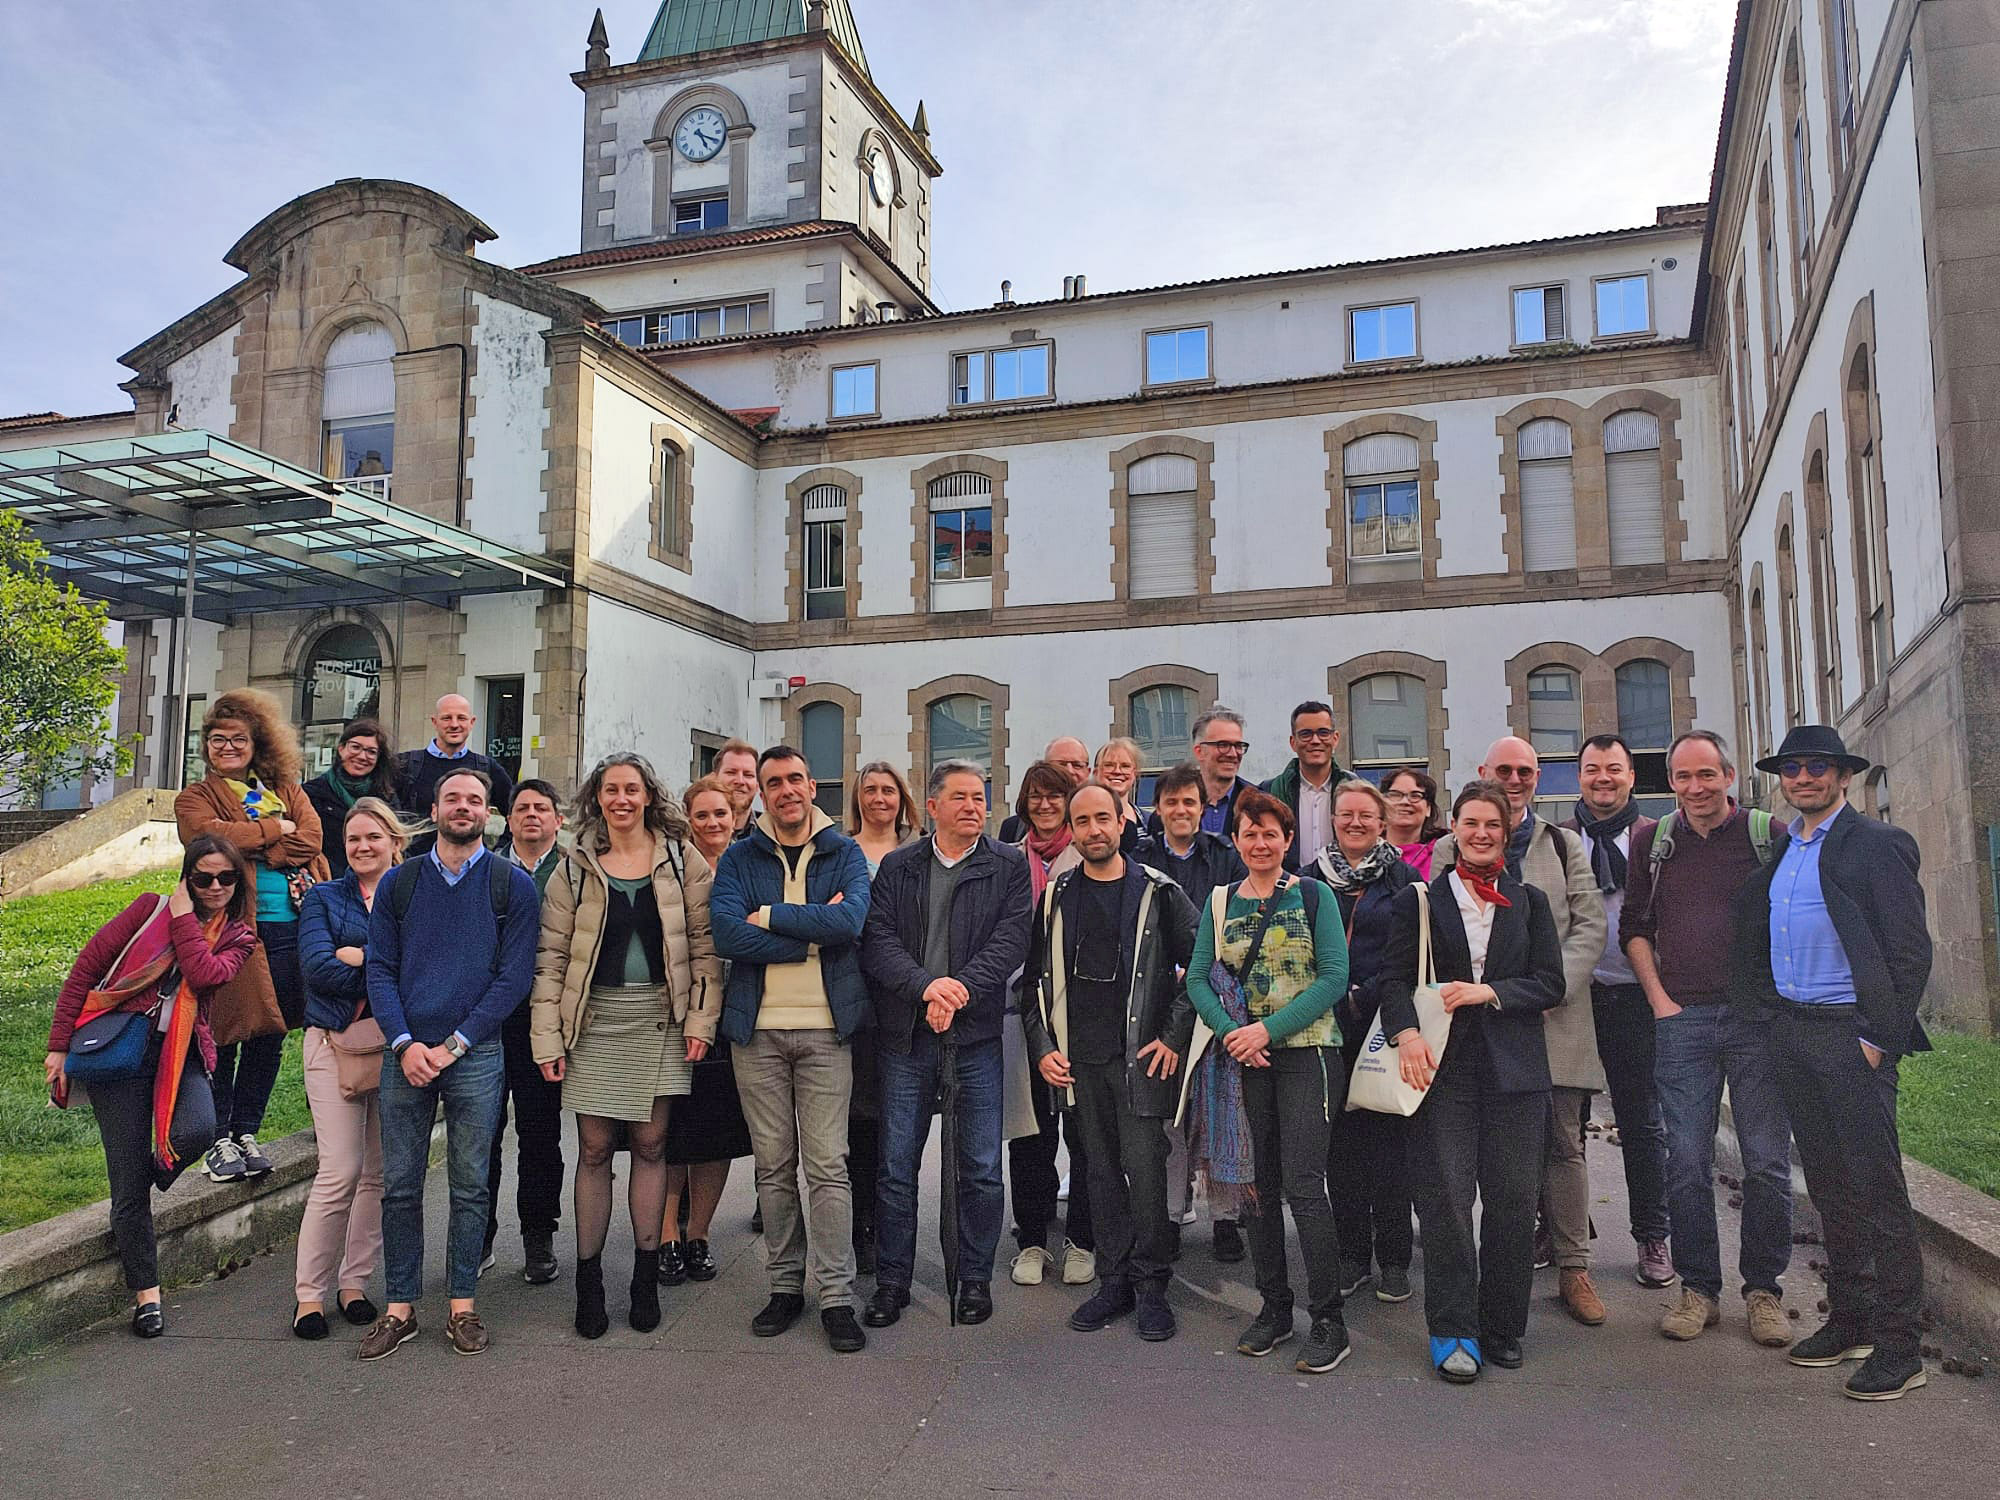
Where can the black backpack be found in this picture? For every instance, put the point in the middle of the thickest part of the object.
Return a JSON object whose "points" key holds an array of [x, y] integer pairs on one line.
{"points": [[499, 890]]}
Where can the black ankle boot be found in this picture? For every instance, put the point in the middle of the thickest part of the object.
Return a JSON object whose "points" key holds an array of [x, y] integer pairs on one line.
{"points": [[645, 1314], [591, 1319]]}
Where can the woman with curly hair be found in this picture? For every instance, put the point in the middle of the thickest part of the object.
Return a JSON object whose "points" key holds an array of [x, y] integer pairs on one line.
{"points": [[363, 766], [251, 798], [626, 1000]]}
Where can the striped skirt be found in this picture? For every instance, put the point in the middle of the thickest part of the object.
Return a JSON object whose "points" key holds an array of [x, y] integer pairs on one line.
{"points": [[627, 1055]]}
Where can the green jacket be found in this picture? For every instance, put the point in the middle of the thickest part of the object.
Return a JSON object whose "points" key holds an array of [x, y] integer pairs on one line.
{"points": [[1285, 787]]}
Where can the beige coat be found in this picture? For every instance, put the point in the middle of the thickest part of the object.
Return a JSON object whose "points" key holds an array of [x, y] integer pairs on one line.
{"points": [[573, 909], [1570, 1030]]}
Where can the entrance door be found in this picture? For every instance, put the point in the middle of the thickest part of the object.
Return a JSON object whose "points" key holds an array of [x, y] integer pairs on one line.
{"points": [[503, 718]]}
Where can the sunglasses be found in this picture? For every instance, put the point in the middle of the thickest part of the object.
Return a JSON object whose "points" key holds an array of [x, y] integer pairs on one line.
{"points": [[201, 880], [1813, 767]]}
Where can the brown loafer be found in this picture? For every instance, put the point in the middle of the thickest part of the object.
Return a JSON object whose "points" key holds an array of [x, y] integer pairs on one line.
{"points": [[467, 1334], [388, 1334], [1581, 1298]]}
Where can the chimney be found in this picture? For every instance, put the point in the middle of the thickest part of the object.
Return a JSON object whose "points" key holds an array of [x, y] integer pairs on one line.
{"points": [[885, 312], [1006, 294], [598, 56], [1079, 286], [1069, 287]]}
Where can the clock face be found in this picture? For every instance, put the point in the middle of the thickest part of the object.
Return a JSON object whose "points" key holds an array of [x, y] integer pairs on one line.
{"points": [[881, 181], [700, 133]]}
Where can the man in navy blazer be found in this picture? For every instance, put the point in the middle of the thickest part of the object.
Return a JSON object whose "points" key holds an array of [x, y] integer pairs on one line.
{"points": [[1831, 940]]}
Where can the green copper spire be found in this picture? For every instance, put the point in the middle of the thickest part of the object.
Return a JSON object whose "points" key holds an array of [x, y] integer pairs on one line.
{"points": [[685, 27]]}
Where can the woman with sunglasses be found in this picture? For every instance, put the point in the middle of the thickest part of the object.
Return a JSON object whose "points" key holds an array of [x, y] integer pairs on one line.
{"points": [[1413, 827], [363, 766], [163, 957]]}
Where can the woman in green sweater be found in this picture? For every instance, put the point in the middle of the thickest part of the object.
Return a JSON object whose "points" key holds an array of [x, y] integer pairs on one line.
{"points": [[1266, 986]]}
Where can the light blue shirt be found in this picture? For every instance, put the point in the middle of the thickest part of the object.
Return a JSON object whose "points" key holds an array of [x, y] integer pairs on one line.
{"points": [[459, 754], [453, 877], [1807, 960]]}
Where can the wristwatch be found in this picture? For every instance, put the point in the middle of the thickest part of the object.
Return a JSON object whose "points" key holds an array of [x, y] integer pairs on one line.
{"points": [[454, 1046]]}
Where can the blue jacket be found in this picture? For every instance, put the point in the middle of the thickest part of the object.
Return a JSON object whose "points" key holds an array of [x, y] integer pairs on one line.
{"points": [[751, 874], [332, 916]]}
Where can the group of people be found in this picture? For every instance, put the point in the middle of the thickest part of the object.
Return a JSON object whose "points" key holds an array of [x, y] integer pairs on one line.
{"points": [[1179, 995]]}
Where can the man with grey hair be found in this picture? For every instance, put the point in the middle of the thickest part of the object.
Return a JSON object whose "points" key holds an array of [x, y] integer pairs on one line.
{"points": [[1683, 879], [1219, 748], [947, 928]]}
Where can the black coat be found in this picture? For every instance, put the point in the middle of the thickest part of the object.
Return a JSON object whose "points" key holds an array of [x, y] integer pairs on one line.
{"points": [[333, 821], [990, 910], [1868, 876], [1524, 964], [1370, 927], [1213, 861]]}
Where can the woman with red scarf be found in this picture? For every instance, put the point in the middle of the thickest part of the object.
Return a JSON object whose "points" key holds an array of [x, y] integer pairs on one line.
{"points": [[163, 957], [1498, 966]]}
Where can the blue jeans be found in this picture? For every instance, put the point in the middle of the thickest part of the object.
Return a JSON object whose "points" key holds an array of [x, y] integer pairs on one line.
{"points": [[909, 1096], [1695, 1051], [470, 1090]]}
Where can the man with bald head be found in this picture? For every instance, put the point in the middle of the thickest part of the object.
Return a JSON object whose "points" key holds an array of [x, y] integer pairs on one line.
{"points": [[1067, 754], [1555, 861], [419, 771]]}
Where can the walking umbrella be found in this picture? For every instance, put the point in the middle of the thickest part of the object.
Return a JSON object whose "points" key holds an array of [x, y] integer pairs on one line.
{"points": [[948, 1169]]}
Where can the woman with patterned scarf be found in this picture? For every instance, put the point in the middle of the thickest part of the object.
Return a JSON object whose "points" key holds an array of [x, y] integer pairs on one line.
{"points": [[251, 798], [163, 957], [363, 766], [1364, 1164]]}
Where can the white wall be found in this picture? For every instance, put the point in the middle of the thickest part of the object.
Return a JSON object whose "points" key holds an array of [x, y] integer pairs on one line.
{"points": [[201, 384], [650, 683], [765, 90], [509, 416], [499, 641]]}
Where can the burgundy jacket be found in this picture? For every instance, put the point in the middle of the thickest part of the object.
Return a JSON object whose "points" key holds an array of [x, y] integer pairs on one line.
{"points": [[205, 970]]}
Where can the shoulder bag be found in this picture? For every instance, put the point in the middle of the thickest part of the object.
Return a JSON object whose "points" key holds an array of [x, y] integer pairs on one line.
{"points": [[111, 1046], [357, 1054], [1377, 1080]]}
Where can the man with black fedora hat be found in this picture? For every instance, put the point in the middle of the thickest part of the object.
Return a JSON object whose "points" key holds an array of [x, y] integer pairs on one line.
{"points": [[1831, 939]]}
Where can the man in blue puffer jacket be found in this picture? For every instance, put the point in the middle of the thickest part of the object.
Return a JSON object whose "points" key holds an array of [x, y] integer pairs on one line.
{"points": [[786, 908]]}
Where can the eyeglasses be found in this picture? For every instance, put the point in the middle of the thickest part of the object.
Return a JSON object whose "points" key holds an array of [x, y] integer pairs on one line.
{"points": [[360, 747], [1404, 797], [228, 742], [1225, 747], [1515, 773], [1795, 768], [201, 880], [1315, 734]]}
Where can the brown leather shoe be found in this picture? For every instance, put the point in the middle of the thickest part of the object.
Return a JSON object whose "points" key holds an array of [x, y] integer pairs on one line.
{"points": [[1580, 1297], [388, 1334], [467, 1334]]}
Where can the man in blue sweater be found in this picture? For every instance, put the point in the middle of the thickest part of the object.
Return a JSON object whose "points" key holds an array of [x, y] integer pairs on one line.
{"points": [[449, 958]]}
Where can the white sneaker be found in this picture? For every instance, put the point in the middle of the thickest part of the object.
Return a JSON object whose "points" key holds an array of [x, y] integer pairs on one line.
{"points": [[1029, 1266], [223, 1162], [1079, 1266]]}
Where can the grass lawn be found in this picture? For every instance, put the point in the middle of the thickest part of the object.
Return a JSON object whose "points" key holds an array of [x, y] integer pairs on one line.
{"points": [[1950, 1112], [50, 1159]]}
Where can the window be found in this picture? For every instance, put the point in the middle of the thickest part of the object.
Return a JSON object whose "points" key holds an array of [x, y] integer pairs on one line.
{"points": [[358, 408], [1746, 420], [1876, 788], [854, 390], [1385, 332], [670, 531], [1798, 172], [1539, 315], [961, 510], [1624, 306], [1020, 373], [1632, 478], [1555, 729], [1548, 496], [823, 519], [693, 215], [1177, 355], [342, 680], [1388, 717], [1384, 539], [1760, 676], [1161, 718], [823, 740], [1871, 525], [1825, 589], [1790, 655], [1646, 722], [1162, 520], [503, 722], [1729, 421], [680, 325], [1767, 279], [1838, 16], [961, 728]]}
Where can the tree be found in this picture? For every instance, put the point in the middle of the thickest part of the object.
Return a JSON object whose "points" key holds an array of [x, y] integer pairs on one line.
{"points": [[56, 671]]}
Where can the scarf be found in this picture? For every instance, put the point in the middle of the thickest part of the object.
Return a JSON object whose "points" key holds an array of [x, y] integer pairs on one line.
{"points": [[349, 792], [1517, 846], [1483, 881], [1346, 877], [1607, 860], [1043, 852], [1218, 1129], [252, 794]]}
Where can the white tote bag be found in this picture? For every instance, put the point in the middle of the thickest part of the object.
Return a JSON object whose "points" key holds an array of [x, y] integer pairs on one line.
{"points": [[1377, 1080]]}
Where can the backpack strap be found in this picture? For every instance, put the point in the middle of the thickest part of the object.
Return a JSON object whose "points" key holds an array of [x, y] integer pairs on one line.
{"points": [[401, 893], [1762, 838], [1309, 890]]}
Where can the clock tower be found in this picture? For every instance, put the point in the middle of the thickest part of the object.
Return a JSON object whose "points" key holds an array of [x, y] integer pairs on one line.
{"points": [[745, 159]]}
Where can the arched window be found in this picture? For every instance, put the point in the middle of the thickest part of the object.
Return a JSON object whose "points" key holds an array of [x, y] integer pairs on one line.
{"points": [[823, 519], [1842, 87], [1729, 423], [1790, 654], [1548, 496], [358, 408], [1798, 171], [668, 510], [961, 728], [1825, 589], [1876, 794], [1388, 719], [1767, 278], [1555, 729], [1871, 523], [340, 680], [961, 511], [1646, 724], [1162, 520], [823, 739], [1746, 415], [1632, 488], [1161, 718], [1760, 676], [1384, 538]]}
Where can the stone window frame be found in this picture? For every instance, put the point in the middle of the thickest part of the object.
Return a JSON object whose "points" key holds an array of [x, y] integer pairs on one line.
{"points": [[1791, 648], [683, 439], [1121, 460], [1746, 424], [920, 700], [736, 143], [1335, 441], [1597, 678], [1206, 687], [1869, 523], [1677, 659], [865, 202], [1432, 673], [1822, 572], [698, 741], [1769, 303], [995, 469], [1666, 410], [1758, 628], [795, 546], [1586, 463], [849, 703], [304, 640], [1840, 135], [1792, 113]]}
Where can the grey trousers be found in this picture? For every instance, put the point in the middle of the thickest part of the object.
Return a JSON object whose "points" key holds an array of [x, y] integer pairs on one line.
{"points": [[795, 1087], [1566, 1179]]}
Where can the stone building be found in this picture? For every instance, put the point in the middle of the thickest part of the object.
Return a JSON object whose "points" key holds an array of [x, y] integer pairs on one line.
{"points": [[729, 470]]}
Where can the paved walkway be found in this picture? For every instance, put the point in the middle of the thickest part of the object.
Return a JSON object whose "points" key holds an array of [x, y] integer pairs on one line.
{"points": [[230, 1407]]}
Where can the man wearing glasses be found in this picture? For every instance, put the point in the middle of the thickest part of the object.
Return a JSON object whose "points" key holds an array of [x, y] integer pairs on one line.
{"points": [[1219, 748], [1306, 784], [1831, 940]]}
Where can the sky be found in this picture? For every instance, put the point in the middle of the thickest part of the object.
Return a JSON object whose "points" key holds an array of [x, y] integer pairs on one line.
{"points": [[1134, 141]]}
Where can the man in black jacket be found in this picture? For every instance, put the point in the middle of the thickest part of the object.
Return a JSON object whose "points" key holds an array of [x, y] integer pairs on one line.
{"points": [[1108, 1020], [1195, 860], [947, 927], [419, 771], [1831, 940]]}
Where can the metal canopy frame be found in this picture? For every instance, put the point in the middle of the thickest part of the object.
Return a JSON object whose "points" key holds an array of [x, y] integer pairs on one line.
{"points": [[191, 524]]}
